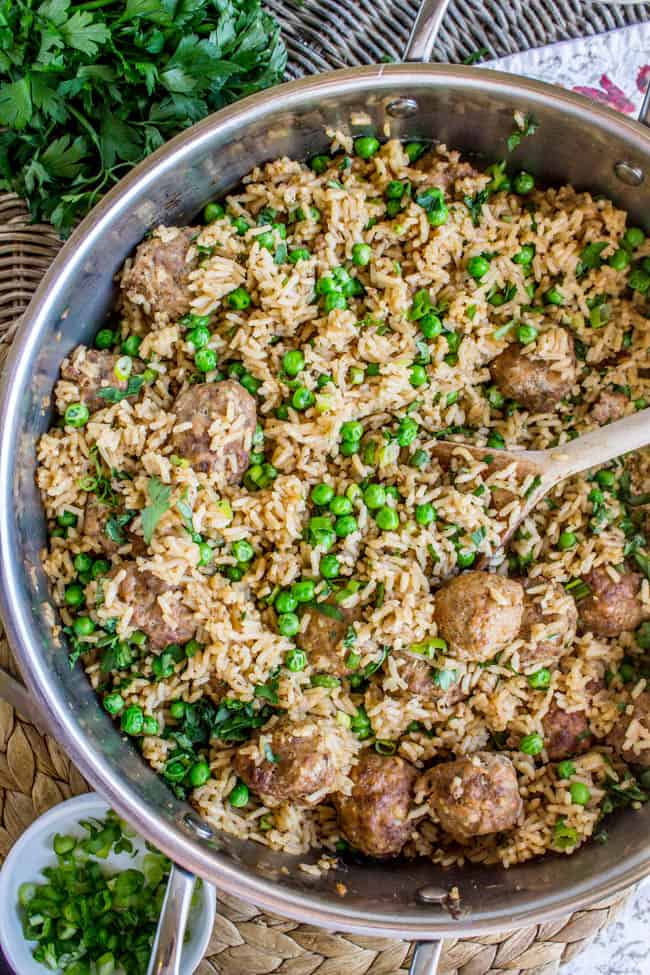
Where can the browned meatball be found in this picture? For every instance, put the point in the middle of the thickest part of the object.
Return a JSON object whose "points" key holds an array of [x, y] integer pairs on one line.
{"points": [[478, 614], [475, 795], [548, 634], [293, 762], [226, 451], [566, 733], [93, 371], [612, 606], [157, 280], [639, 720], [609, 406], [374, 817], [444, 173], [324, 635], [530, 380], [141, 589], [96, 529], [421, 680]]}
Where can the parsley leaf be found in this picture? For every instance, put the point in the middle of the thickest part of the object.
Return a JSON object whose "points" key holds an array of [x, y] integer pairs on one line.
{"points": [[528, 126], [475, 205], [159, 495], [114, 395]]}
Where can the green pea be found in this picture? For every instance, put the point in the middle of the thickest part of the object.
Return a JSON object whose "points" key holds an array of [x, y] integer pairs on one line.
{"points": [[303, 591], [619, 260], [266, 240], [105, 338], [329, 567], [633, 237], [407, 431], [131, 345], [241, 225], [351, 430], [239, 298], [83, 626], [540, 680], [430, 325], [374, 496], [100, 568], [361, 254], [242, 550], [212, 212], [531, 744], [286, 602], [74, 595], [438, 216], [626, 672], [464, 559], [334, 300], [205, 360], [326, 285], [566, 769], [177, 709], [366, 146], [606, 479], [113, 703], [250, 383], [393, 207], [555, 297], [345, 525], [288, 624], [567, 540], [76, 415], [205, 553], [319, 163], [199, 337], [150, 725], [302, 398], [387, 519], [293, 362], [414, 150], [295, 660], [82, 562], [238, 797], [639, 280], [322, 494], [235, 572], [132, 720], [418, 376], [425, 513], [67, 519], [299, 254], [340, 505], [478, 266], [526, 334], [199, 773], [580, 794], [523, 183], [525, 255]]}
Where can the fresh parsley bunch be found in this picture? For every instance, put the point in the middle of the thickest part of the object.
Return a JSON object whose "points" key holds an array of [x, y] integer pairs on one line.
{"points": [[87, 90]]}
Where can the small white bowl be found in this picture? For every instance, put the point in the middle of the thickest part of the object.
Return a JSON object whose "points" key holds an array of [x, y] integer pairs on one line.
{"points": [[33, 851]]}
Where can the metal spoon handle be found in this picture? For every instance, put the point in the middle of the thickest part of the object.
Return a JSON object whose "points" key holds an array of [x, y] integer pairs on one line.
{"points": [[425, 30], [168, 943], [426, 956], [598, 446]]}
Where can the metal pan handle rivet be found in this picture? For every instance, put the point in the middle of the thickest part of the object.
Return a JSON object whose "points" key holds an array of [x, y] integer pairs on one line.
{"points": [[629, 174], [198, 826]]}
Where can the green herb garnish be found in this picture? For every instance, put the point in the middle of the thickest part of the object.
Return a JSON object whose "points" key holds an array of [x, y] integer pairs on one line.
{"points": [[159, 495]]}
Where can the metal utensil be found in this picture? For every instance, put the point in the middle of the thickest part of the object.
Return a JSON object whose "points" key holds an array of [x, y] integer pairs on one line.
{"points": [[550, 467], [470, 109]]}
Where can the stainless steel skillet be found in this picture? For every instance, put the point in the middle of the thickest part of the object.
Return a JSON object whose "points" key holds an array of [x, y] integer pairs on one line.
{"points": [[470, 109]]}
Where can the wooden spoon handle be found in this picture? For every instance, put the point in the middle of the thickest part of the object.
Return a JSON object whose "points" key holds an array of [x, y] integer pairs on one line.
{"points": [[599, 446]]}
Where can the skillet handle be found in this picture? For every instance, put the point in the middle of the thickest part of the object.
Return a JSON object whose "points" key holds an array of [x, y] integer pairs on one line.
{"points": [[426, 956], [425, 30], [168, 943]]}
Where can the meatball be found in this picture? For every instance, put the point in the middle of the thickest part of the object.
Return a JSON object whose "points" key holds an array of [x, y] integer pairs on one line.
{"points": [[629, 724], [290, 761], [612, 606], [374, 818], [609, 406], [158, 278], [550, 632], [533, 381], [324, 635], [475, 795], [421, 681], [93, 371], [96, 519], [478, 614], [141, 589], [443, 173], [222, 418], [566, 733]]}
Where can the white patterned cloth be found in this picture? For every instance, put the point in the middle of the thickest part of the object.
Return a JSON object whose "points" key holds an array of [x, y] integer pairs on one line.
{"points": [[612, 68]]}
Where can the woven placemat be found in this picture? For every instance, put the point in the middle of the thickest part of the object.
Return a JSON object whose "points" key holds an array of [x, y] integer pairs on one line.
{"points": [[34, 772]]}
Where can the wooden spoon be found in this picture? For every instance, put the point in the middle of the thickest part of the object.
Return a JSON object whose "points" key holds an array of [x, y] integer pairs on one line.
{"points": [[550, 467]]}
